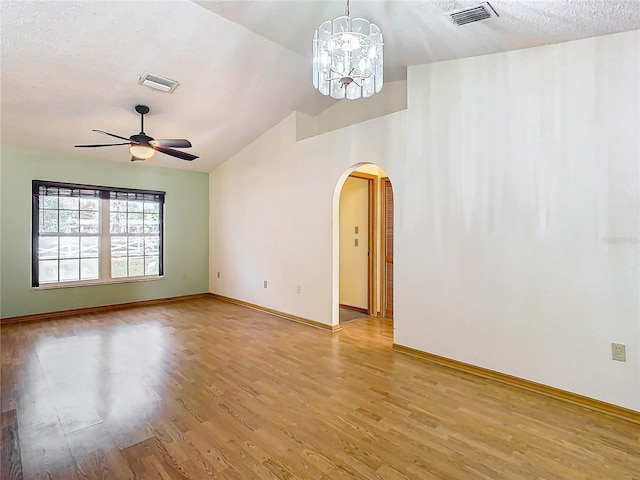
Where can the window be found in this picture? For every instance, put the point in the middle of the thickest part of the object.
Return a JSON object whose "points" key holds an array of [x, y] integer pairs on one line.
{"points": [[84, 234]]}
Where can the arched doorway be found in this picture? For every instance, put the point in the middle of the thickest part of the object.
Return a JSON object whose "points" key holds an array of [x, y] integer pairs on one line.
{"points": [[362, 244]]}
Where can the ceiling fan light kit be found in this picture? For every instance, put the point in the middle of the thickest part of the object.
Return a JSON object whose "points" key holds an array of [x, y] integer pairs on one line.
{"points": [[143, 147], [348, 57], [141, 152]]}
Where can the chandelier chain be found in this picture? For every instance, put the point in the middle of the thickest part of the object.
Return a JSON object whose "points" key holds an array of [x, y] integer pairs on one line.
{"points": [[346, 10]]}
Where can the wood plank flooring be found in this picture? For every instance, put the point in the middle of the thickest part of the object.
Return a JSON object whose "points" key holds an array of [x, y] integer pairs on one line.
{"points": [[204, 389]]}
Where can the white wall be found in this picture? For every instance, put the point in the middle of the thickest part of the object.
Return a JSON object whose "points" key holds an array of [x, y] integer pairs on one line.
{"points": [[271, 214], [392, 98], [354, 259], [516, 186]]}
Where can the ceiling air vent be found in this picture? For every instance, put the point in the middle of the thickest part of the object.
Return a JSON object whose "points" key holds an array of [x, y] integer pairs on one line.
{"points": [[156, 82], [476, 13]]}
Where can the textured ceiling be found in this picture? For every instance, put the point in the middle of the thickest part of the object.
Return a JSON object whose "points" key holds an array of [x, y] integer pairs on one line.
{"points": [[69, 67]]}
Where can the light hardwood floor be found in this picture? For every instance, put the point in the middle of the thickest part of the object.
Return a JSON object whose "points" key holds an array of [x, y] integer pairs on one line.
{"points": [[204, 389]]}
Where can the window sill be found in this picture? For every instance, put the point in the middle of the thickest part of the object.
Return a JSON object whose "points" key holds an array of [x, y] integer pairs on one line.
{"points": [[93, 283]]}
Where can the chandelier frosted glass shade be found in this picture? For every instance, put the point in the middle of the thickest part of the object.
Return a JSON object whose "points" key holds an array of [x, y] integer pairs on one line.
{"points": [[347, 58]]}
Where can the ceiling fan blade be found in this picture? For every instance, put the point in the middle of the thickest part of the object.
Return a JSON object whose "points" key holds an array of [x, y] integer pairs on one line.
{"points": [[102, 145], [176, 153], [171, 142], [111, 135]]}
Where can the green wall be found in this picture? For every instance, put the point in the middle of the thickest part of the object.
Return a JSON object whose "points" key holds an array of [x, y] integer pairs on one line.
{"points": [[186, 230]]}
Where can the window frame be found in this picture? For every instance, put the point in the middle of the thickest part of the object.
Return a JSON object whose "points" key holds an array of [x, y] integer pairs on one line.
{"points": [[104, 194]]}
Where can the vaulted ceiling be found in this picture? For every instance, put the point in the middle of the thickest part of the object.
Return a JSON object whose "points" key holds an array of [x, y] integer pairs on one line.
{"points": [[73, 66]]}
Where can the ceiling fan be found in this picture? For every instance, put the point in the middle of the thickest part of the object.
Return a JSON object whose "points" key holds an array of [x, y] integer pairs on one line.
{"points": [[142, 146]]}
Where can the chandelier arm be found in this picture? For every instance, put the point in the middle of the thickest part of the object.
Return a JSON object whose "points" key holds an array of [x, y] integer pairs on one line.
{"points": [[364, 77], [329, 79]]}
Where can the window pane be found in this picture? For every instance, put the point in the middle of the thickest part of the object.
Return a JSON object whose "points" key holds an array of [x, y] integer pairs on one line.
{"points": [[69, 221], [49, 202], [47, 247], [69, 203], [89, 204], [48, 221], [69, 247], [119, 247], [118, 222], [136, 246], [48, 271], [134, 206], [118, 205], [151, 223], [118, 267], [151, 265], [89, 247], [69, 270], [151, 207], [89, 222], [151, 245], [89, 269], [134, 222], [136, 266]]}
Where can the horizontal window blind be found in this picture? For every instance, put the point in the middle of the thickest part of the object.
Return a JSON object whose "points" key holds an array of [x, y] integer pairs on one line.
{"points": [[46, 188]]}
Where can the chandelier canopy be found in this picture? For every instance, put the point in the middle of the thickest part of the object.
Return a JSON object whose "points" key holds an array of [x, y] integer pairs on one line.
{"points": [[347, 57]]}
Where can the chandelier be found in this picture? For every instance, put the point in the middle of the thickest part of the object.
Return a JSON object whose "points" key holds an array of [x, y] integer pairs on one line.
{"points": [[347, 57]]}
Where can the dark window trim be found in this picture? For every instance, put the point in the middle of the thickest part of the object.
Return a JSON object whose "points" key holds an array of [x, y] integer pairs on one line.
{"points": [[35, 238], [104, 192]]}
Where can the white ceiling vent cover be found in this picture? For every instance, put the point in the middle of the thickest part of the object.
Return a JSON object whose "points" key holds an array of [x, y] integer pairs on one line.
{"points": [[156, 82], [472, 14]]}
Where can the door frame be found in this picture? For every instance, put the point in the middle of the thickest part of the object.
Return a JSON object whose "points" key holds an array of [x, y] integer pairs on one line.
{"points": [[383, 246], [372, 185]]}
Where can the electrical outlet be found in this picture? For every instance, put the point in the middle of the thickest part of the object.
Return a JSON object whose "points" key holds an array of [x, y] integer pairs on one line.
{"points": [[218, 274], [619, 352], [265, 284], [298, 289], [355, 242]]}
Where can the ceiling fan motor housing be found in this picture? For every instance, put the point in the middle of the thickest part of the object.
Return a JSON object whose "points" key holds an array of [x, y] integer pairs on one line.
{"points": [[141, 138]]}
